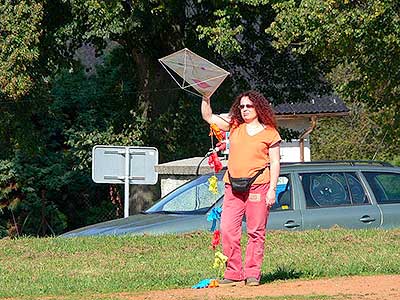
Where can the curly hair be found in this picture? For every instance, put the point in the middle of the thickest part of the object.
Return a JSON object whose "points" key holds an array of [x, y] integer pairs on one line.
{"points": [[264, 111]]}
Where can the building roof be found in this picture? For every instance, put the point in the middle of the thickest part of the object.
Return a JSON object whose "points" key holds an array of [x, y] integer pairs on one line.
{"points": [[317, 105]]}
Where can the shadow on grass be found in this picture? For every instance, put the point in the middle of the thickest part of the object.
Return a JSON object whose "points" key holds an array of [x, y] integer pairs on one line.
{"points": [[281, 273]]}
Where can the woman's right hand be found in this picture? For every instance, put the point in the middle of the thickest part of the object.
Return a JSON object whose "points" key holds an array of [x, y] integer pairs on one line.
{"points": [[271, 195]]}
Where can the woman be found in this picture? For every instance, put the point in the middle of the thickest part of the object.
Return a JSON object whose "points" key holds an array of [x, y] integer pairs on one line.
{"points": [[254, 145]]}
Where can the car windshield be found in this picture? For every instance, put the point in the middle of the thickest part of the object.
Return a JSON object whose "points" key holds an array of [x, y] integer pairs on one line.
{"points": [[192, 198]]}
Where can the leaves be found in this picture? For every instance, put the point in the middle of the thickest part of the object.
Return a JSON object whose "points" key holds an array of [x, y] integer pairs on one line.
{"points": [[362, 135], [20, 35], [60, 110], [223, 35], [362, 36]]}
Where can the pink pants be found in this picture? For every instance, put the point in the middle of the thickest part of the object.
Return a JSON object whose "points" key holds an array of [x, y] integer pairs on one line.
{"points": [[251, 204]]}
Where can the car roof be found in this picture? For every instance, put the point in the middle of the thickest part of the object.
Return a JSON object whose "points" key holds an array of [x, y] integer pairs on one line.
{"points": [[332, 165]]}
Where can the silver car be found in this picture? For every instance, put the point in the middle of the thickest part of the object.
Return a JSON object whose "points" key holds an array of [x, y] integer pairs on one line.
{"points": [[350, 194]]}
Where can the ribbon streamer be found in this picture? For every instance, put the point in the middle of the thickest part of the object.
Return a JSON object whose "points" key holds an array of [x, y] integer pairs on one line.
{"points": [[214, 130], [202, 284], [214, 162], [216, 239], [213, 184], [214, 216], [220, 262], [206, 283]]}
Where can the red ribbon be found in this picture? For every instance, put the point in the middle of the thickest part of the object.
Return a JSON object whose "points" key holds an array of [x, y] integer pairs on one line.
{"points": [[214, 162], [216, 239]]}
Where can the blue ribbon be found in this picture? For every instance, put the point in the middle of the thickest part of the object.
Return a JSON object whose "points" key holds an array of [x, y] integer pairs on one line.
{"points": [[214, 216], [202, 284]]}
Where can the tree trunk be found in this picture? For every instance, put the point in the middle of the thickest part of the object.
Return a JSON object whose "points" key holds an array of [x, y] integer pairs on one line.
{"points": [[43, 222], [157, 90]]}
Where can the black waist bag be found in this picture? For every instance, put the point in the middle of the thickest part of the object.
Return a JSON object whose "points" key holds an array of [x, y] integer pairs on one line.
{"points": [[242, 184]]}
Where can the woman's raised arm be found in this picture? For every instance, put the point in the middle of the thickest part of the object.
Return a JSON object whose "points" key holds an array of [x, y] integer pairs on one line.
{"points": [[210, 118]]}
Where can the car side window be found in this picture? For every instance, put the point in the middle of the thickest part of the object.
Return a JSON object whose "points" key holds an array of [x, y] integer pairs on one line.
{"points": [[283, 194], [330, 189], [196, 199], [386, 186]]}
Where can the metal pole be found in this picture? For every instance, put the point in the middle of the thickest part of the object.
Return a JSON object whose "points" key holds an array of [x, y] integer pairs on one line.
{"points": [[304, 134], [126, 185]]}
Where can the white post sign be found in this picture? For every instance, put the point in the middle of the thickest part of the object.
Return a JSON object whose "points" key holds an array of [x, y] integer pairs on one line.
{"points": [[124, 165]]}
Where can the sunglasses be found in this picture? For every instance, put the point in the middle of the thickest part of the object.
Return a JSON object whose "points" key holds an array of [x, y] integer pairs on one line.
{"points": [[241, 106]]}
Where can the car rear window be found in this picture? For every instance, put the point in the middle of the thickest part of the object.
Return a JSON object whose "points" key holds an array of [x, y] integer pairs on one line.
{"points": [[386, 186], [330, 189]]}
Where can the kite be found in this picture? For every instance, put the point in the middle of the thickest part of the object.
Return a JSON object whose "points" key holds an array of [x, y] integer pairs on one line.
{"points": [[197, 75]]}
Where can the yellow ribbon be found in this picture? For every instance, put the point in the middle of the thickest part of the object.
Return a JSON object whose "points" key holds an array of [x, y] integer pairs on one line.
{"points": [[220, 262], [213, 184]]}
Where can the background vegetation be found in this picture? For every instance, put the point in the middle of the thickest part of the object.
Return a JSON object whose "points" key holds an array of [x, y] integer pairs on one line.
{"points": [[74, 74]]}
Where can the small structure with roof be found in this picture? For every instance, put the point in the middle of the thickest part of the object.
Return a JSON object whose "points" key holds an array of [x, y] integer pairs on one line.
{"points": [[302, 117]]}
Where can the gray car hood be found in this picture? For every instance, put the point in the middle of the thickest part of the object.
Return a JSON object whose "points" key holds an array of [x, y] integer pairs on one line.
{"points": [[145, 224]]}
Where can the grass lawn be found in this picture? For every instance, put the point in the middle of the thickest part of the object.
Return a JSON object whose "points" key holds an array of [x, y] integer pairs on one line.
{"points": [[75, 267]]}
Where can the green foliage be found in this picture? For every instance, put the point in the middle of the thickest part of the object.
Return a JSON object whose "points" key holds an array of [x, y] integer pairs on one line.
{"points": [[94, 110], [46, 187], [32, 46], [58, 113], [225, 31], [395, 160], [99, 109], [237, 32], [288, 134], [222, 36], [180, 133], [20, 35], [23, 196], [361, 39], [359, 43], [358, 136], [83, 140]]}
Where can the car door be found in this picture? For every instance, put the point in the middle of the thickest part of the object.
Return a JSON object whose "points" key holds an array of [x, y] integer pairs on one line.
{"points": [[336, 199], [285, 214], [386, 190]]}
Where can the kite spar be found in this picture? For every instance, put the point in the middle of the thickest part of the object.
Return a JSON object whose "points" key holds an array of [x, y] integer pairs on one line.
{"points": [[193, 73]]}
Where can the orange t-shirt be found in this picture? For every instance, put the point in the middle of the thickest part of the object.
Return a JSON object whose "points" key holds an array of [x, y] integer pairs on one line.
{"points": [[248, 154]]}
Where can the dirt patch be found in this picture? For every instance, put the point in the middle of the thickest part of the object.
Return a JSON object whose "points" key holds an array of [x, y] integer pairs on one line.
{"points": [[382, 287], [385, 287]]}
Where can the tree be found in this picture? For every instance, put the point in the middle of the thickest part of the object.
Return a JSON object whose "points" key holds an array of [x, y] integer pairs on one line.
{"points": [[237, 32], [359, 41], [354, 45], [49, 189], [50, 124], [361, 37], [358, 136], [21, 30], [146, 30], [31, 46]]}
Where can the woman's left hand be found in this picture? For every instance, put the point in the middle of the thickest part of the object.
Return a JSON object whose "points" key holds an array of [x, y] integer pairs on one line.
{"points": [[271, 195]]}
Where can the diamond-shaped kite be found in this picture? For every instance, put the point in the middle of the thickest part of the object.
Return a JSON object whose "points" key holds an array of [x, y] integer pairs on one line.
{"points": [[195, 72]]}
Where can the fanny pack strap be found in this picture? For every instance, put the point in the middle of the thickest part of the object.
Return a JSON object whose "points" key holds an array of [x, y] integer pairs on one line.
{"points": [[255, 176], [252, 179]]}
